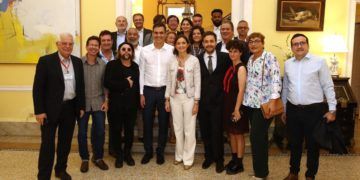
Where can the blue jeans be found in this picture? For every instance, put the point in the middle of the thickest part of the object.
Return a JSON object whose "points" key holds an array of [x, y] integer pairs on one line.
{"points": [[97, 134]]}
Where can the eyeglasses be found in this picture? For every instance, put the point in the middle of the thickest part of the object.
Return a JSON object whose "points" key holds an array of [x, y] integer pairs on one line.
{"points": [[257, 41], [297, 44], [126, 49]]}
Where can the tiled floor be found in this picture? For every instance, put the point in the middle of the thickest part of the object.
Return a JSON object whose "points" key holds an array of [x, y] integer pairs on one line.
{"points": [[22, 165]]}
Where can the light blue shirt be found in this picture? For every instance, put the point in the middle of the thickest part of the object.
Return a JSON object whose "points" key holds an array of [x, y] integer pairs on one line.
{"points": [[120, 38], [104, 58], [306, 81]]}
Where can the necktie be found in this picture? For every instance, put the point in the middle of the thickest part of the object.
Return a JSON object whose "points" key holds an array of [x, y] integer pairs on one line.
{"points": [[210, 65]]}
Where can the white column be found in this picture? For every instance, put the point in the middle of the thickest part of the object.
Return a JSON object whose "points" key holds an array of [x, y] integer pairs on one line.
{"points": [[241, 10], [124, 8]]}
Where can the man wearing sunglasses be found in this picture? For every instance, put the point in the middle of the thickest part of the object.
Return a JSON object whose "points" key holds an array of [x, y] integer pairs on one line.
{"points": [[122, 82]]}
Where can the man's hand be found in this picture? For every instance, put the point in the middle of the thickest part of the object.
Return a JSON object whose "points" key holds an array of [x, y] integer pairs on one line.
{"points": [[167, 106], [283, 117], [142, 101], [40, 118], [105, 106], [131, 82], [330, 117], [82, 112]]}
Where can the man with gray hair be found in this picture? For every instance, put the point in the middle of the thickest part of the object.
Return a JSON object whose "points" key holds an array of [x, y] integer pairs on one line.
{"points": [[59, 99], [119, 35]]}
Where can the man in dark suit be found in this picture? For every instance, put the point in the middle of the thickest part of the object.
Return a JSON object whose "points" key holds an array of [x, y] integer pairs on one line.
{"points": [[213, 65], [59, 98], [145, 35], [119, 35]]}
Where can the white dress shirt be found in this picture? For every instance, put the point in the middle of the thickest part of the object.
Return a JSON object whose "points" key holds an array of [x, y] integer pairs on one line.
{"points": [[154, 64], [137, 54], [213, 59], [307, 80], [223, 47], [141, 37], [69, 78], [218, 34]]}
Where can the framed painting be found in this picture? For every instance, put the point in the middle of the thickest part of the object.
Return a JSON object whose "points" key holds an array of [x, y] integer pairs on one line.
{"points": [[30, 28], [300, 15]]}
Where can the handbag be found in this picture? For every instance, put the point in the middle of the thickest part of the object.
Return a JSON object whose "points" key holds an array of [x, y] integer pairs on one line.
{"points": [[265, 108]]}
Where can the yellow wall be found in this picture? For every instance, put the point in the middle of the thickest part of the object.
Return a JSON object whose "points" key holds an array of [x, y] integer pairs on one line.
{"points": [[264, 21], [204, 7], [97, 15]]}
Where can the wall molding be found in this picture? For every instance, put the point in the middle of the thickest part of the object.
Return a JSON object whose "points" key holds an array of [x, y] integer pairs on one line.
{"points": [[16, 88]]}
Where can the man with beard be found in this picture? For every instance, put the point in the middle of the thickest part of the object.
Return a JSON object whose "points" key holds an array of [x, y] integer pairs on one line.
{"points": [[132, 37], [154, 60], [122, 81], [213, 65], [216, 18]]}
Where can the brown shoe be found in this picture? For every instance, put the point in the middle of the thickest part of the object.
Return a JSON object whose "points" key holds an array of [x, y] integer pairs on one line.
{"points": [[292, 176], [177, 162], [187, 167], [101, 164], [84, 166]]}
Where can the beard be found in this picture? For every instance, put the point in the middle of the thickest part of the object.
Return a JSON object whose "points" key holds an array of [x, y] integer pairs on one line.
{"points": [[126, 57], [216, 23], [134, 42]]}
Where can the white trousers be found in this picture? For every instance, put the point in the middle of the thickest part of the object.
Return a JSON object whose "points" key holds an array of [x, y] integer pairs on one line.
{"points": [[184, 127]]}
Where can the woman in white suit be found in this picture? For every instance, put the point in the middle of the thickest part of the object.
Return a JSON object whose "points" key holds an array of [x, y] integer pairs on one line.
{"points": [[182, 98]]}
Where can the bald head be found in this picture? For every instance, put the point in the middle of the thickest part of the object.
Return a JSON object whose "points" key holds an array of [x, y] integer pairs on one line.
{"points": [[65, 44], [132, 36], [121, 24]]}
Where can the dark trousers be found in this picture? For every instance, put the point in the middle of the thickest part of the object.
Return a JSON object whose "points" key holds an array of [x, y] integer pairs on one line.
{"points": [[259, 141], [97, 134], [122, 118], [155, 98], [110, 137], [301, 121], [65, 125], [211, 129]]}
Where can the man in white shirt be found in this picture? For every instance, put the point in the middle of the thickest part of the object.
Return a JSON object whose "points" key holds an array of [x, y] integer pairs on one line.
{"points": [[119, 35], [132, 37], [145, 35], [154, 60], [216, 18], [306, 80], [227, 34]]}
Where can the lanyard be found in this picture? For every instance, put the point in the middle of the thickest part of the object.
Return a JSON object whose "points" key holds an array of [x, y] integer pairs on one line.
{"points": [[65, 66]]}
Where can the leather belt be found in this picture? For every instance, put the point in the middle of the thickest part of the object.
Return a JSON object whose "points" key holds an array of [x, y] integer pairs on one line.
{"points": [[155, 88]]}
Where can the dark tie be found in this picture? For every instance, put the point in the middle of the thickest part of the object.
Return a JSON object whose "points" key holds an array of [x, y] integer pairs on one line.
{"points": [[210, 65]]}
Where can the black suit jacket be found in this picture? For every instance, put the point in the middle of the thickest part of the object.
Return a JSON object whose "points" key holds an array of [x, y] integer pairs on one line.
{"points": [[49, 86], [212, 84], [114, 38], [148, 39]]}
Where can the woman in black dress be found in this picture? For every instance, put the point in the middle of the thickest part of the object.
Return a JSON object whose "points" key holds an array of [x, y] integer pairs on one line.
{"points": [[234, 121]]}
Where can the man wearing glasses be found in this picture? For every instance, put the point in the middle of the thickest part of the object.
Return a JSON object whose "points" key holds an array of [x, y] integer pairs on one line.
{"points": [[306, 80], [59, 98]]}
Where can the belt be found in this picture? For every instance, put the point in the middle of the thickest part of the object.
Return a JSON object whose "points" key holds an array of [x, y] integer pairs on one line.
{"points": [[300, 106], [155, 88], [68, 101]]}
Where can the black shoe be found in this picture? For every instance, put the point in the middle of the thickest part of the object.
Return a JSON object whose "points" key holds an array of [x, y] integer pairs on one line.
{"points": [[141, 139], [219, 167], [207, 163], [63, 175], [129, 160], [101, 164], [84, 166], [112, 153], [236, 167], [160, 159], [119, 163], [230, 164], [146, 158]]}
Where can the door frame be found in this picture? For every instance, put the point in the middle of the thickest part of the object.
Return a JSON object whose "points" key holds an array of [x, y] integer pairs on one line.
{"points": [[351, 35]]}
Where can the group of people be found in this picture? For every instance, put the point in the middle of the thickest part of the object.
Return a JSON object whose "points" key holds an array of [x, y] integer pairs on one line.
{"points": [[212, 76]]}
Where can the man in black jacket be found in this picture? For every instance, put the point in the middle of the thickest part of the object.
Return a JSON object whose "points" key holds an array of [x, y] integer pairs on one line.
{"points": [[59, 98], [213, 65]]}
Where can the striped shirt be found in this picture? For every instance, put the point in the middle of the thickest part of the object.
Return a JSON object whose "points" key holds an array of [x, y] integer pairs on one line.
{"points": [[94, 84]]}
